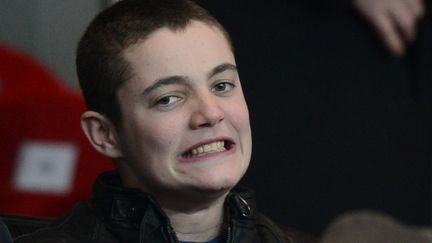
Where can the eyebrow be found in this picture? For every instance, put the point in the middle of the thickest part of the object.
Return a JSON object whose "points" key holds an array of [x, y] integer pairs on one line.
{"points": [[221, 68], [183, 80]]}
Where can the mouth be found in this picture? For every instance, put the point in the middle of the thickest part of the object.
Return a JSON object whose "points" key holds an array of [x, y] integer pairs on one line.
{"points": [[208, 148]]}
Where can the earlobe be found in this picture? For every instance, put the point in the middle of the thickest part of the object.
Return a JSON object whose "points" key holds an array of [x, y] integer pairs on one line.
{"points": [[101, 134]]}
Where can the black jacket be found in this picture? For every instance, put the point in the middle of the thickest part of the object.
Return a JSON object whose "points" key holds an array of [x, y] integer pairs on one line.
{"points": [[118, 214]]}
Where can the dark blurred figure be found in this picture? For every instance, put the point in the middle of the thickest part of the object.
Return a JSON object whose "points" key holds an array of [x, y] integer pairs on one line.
{"points": [[5, 236], [341, 110]]}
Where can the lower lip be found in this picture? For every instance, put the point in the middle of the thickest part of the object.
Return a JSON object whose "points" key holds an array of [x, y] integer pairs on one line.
{"points": [[208, 156]]}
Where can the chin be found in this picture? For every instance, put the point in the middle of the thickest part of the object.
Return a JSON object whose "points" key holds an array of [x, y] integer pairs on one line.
{"points": [[221, 183], [221, 178]]}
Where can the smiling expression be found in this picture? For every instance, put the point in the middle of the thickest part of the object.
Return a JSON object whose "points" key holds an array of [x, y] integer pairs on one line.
{"points": [[185, 125]]}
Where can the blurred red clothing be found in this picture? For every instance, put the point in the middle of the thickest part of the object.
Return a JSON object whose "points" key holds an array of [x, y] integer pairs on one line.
{"points": [[47, 164]]}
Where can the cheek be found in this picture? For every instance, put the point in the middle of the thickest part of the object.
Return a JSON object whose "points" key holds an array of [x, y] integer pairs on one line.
{"points": [[161, 140], [239, 118], [154, 139], [239, 115]]}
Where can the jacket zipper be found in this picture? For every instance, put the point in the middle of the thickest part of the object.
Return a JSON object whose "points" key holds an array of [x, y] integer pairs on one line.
{"points": [[229, 235]]}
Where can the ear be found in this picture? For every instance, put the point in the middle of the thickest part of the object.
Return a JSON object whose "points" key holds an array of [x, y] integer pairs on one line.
{"points": [[101, 134]]}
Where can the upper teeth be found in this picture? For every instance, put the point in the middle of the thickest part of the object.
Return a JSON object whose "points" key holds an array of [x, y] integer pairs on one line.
{"points": [[209, 148]]}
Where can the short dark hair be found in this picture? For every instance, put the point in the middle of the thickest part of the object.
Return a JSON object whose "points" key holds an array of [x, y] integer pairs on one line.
{"points": [[100, 64]]}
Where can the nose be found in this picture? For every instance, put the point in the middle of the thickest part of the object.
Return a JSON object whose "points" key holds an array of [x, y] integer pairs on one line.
{"points": [[207, 113]]}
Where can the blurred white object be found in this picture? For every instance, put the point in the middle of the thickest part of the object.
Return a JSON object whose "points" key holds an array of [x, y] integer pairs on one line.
{"points": [[46, 167]]}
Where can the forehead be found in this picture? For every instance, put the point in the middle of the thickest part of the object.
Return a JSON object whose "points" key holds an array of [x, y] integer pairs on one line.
{"points": [[197, 48]]}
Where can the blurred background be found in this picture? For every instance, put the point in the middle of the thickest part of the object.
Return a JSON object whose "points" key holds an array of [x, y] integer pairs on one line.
{"points": [[48, 30], [46, 163]]}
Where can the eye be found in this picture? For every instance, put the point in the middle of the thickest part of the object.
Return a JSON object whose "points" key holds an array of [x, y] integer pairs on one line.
{"points": [[168, 100], [223, 87]]}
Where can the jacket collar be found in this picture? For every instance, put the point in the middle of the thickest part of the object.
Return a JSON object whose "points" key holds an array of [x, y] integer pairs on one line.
{"points": [[120, 206], [128, 208]]}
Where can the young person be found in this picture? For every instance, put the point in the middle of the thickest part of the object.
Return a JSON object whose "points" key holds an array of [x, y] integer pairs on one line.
{"points": [[166, 104]]}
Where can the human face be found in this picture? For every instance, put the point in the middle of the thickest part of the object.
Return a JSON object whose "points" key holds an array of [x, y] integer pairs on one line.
{"points": [[185, 125]]}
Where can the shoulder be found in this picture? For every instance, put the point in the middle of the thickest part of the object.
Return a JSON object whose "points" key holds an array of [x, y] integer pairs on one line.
{"points": [[266, 226], [75, 226]]}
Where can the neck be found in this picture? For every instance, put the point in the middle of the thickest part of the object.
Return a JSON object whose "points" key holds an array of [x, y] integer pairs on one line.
{"points": [[199, 224]]}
